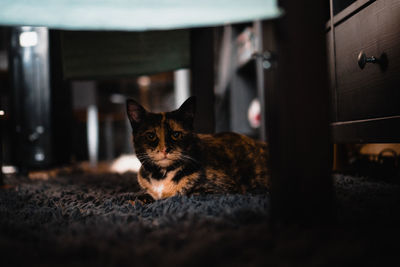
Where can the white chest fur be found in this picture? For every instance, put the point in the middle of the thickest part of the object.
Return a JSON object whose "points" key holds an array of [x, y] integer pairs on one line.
{"points": [[162, 188]]}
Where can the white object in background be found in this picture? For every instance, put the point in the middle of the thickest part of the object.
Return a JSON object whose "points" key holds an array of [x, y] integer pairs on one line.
{"points": [[181, 86], [28, 39], [9, 169], [93, 134], [254, 114], [144, 81], [126, 163]]}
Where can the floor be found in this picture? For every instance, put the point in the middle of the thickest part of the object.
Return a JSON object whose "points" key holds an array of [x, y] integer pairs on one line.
{"points": [[99, 219]]}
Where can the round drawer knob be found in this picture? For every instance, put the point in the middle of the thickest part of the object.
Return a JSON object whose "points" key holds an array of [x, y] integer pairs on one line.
{"points": [[363, 60]]}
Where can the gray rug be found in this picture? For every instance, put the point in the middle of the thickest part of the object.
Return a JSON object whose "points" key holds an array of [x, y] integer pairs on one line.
{"points": [[98, 220]]}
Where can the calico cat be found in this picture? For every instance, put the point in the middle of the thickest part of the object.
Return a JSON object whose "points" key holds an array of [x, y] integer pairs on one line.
{"points": [[177, 161]]}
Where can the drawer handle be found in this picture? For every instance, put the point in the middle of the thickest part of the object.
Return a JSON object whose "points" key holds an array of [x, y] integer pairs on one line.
{"points": [[363, 60]]}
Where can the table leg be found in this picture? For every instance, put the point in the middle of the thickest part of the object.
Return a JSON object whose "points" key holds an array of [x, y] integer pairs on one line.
{"points": [[298, 118]]}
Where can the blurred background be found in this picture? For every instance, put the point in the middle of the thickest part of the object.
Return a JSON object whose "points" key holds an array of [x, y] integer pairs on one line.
{"points": [[63, 95]]}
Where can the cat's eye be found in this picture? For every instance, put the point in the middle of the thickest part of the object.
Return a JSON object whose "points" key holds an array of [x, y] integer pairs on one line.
{"points": [[175, 135], [151, 136]]}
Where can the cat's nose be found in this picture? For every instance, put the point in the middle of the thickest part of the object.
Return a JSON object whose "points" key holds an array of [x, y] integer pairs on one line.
{"points": [[164, 151]]}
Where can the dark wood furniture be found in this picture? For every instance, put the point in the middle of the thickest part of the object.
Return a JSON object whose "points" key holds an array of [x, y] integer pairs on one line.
{"points": [[364, 56], [298, 116]]}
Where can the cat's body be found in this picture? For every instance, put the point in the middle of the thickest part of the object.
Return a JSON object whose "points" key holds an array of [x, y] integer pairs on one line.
{"points": [[175, 160]]}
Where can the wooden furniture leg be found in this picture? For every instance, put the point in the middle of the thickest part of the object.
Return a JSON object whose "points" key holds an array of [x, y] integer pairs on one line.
{"points": [[298, 118]]}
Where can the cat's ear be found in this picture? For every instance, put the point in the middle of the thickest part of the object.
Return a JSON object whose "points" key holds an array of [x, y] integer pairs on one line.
{"points": [[188, 108], [136, 113]]}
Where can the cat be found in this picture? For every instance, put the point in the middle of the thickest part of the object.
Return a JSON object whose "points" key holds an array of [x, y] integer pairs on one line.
{"points": [[177, 161]]}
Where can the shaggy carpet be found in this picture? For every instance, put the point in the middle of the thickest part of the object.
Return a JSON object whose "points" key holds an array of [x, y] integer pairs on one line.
{"points": [[101, 220]]}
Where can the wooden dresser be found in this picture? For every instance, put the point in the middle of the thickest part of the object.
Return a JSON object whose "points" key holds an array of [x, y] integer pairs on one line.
{"points": [[364, 61]]}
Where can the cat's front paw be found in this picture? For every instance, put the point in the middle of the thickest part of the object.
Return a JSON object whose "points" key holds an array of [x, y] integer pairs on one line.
{"points": [[142, 197]]}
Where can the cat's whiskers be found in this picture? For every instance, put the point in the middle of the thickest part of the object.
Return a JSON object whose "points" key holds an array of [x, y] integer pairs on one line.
{"points": [[144, 158], [141, 155], [188, 158]]}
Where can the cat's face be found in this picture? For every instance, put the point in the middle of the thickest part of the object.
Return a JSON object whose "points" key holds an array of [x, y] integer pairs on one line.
{"points": [[161, 138]]}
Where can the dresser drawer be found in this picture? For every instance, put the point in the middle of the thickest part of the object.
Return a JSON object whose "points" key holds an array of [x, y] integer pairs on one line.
{"points": [[373, 91]]}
